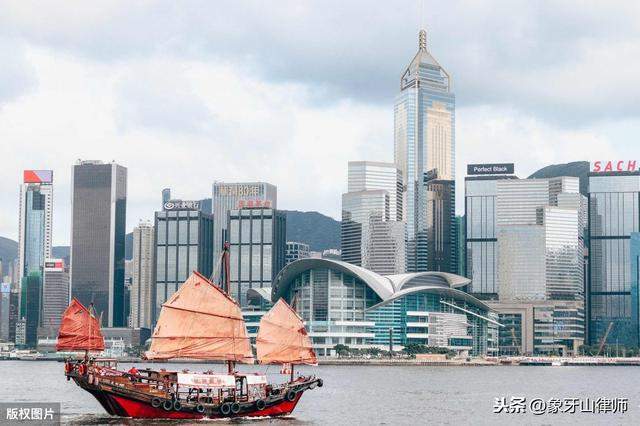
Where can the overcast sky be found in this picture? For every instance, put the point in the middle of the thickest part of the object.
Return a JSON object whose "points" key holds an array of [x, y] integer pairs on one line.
{"points": [[185, 93]]}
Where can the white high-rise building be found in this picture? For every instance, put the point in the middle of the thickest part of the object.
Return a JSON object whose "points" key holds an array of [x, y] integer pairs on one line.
{"points": [[372, 233], [55, 294], [142, 274], [372, 175], [539, 231], [539, 227]]}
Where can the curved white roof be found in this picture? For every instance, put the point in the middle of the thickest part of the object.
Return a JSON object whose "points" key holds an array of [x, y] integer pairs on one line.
{"points": [[388, 288], [381, 285]]}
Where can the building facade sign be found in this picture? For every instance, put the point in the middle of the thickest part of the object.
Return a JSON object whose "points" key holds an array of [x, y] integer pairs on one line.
{"points": [[54, 265], [490, 169], [253, 203], [240, 190], [181, 205], [602, 166], [38, 176]]}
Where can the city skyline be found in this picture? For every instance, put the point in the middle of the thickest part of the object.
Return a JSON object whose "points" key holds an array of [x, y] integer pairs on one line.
{"points": [[181, 110]]}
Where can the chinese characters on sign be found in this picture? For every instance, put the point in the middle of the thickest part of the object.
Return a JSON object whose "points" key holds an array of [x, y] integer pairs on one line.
{"points": [[30, 413], [182, 205], [238, 190], [253, 203], [540, 406]]}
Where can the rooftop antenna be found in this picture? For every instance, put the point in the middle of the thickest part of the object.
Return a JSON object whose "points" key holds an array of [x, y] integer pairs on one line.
{"points": [[422, 37]]}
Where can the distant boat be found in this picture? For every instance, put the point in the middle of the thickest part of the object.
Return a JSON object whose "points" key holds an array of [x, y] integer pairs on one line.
{"points": [[200, 321]]}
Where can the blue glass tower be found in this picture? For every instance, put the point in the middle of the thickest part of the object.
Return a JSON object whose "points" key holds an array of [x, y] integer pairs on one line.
{"points": [[424, 133]]}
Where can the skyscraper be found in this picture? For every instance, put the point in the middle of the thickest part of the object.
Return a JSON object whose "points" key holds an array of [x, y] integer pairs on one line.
{"points": [[372, 175], [55, 294], [481, 230], [257, 238], [183, 244], [536, 262], [227, 196], [36, 211], [372, 231], [614, 216], [424, 133], [99, 203], [5, 309], [143, 268]]}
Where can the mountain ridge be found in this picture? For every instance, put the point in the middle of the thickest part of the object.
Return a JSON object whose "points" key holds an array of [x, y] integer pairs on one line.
{"points": [[321, 232]]}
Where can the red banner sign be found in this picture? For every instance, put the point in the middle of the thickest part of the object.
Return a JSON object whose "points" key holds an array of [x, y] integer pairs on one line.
{"points": [[614, 166]]}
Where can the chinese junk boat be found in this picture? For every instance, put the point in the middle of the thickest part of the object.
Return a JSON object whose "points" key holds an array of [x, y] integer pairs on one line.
{"points": [[200, 321]]}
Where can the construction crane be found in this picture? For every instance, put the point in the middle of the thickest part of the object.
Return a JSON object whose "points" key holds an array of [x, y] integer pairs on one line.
{"points": [[604, 338]]}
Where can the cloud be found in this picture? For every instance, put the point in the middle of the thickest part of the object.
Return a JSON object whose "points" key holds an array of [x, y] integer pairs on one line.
{"points": [[556, 60], [16, 76], [182, 124], [191, 92]]}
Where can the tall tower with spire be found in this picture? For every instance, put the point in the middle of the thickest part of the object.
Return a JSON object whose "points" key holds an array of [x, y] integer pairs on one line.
{"points": [[424, 150]]}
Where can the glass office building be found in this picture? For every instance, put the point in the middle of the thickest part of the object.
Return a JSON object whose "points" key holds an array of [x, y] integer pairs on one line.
{"points": [[635, 289], [345, 304], [525, 253], [183, 244], [257, 238], [441, 226], [296, 250], [481, 239], [424, 135], [98, 227], [5, 309], [229, 196], [34, 238], [614, 215], [31, 306]]}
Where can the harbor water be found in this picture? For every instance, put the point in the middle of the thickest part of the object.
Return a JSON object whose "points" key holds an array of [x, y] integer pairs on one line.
{"points": [[373, 395]]}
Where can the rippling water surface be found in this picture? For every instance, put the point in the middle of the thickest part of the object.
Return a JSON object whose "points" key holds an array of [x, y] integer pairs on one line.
{"points": [[371, 395]]}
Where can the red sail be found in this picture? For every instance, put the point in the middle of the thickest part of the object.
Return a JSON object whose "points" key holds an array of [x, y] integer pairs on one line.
{"points": [[79, 330], [200, 321], [282, 338]]}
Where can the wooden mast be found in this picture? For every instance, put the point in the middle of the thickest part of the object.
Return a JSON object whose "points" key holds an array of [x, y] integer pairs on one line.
{"points": [[226, 285]]}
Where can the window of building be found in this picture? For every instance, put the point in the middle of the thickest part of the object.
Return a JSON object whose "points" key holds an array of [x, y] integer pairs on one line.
{"points": [[171, 263], [245, 235], [172, 232], [193, 232], [182, 263], [161, 270], [162, 231], [193, 259], [183, 236], [266, 263]]}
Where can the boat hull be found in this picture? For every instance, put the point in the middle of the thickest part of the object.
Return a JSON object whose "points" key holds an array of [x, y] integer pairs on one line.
{"points": [[119, 402]]}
